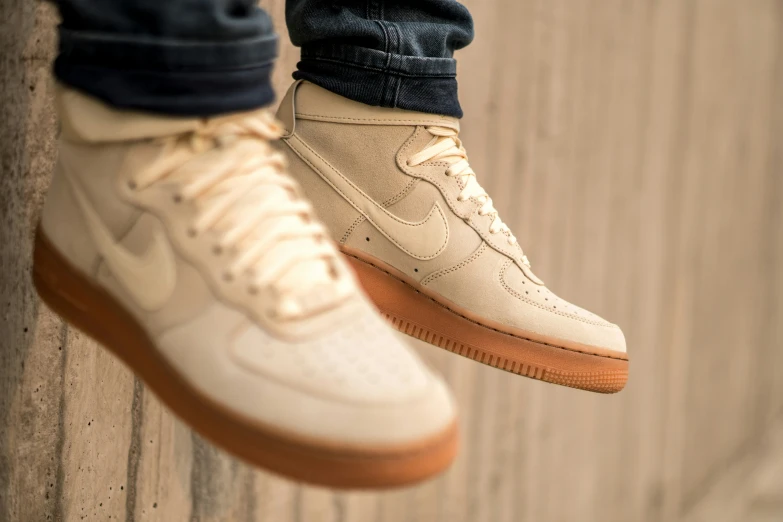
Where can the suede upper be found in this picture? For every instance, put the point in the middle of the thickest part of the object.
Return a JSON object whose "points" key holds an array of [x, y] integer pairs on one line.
{"points": [[360, 166]]}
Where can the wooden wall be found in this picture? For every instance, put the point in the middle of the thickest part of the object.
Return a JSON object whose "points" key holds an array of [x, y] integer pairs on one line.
{"points": [[636, 148]]}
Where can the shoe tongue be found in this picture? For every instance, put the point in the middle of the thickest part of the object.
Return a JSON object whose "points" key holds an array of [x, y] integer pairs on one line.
{"points": [[303, 274], [451, 160]]}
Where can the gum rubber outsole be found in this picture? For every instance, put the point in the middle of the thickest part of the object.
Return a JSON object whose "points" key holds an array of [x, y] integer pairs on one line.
{"points": [[413, 311], [88, 307]]}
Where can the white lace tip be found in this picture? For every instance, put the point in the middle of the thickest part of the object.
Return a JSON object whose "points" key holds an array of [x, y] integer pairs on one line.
{"points": [[288, 309]]}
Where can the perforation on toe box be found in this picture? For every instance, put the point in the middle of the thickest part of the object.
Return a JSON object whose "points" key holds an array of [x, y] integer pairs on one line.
{"points": [[360, 362], [514, 281]]}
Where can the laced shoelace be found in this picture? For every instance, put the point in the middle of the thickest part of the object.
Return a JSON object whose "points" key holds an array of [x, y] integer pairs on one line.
{"points": [[447, 146], [248, 200]]}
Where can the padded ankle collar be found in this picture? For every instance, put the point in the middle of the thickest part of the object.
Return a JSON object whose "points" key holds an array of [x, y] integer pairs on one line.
{"points": [[85, 119], [311, 102]]}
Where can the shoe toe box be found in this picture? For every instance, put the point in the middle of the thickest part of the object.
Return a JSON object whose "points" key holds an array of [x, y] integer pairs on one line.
{"points": [[538, 309], [357, 383]]}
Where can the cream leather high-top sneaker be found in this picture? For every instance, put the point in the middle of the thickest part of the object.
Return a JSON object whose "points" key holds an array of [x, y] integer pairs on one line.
{"points": [[397, 192], [183, 246]]}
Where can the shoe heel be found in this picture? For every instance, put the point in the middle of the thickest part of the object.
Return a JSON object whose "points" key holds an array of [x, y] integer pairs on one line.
{"points": [[76, 299], [57, 285]]}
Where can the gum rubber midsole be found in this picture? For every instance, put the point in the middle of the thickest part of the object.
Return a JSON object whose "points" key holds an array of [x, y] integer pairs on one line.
{"points": [[413, 311], [95, 312]]}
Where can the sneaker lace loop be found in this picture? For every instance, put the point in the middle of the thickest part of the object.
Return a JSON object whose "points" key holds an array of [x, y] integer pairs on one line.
{"points": [[446, 146], [252, 205]]}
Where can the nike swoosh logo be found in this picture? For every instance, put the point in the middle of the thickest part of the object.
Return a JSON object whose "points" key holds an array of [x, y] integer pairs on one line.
{"points": [[150, 278], [424, 239]]}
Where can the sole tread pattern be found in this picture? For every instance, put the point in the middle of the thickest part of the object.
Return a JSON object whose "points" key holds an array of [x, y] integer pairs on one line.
{"points": [[601, 382]]}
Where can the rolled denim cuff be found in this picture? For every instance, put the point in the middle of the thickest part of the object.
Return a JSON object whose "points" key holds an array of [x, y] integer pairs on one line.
{"points": [[383, 79], [168, 76]]}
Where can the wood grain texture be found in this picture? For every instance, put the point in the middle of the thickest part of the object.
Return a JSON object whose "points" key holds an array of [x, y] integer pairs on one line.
{"points": [[635, 149]]}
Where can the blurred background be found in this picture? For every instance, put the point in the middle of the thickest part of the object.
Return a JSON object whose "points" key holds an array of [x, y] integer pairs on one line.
{"points": [[636, 148]]}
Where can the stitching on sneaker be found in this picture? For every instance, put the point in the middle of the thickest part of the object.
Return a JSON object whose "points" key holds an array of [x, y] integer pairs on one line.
{"points": [[538, 305], [480, 324], [432, 277], [389, 202], [347, 198]]}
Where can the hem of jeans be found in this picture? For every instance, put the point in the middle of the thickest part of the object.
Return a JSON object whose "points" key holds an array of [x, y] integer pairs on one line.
{"points": [[145, 52], [172, 93], [373, 59], [430, 95]]}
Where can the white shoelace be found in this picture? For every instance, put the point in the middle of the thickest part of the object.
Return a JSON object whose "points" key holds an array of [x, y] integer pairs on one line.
{"points": [[447, 146], [245, 196]]}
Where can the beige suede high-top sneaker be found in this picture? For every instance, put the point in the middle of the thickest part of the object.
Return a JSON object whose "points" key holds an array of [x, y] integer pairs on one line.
{"points": [[397, 192], [183, 246]]}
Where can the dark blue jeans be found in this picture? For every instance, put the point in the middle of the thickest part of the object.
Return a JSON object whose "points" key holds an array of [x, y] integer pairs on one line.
{"points": [[207, 57]]}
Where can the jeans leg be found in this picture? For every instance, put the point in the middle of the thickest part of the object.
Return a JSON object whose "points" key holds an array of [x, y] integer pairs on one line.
{"points": [[177, 57], [387, 53]]}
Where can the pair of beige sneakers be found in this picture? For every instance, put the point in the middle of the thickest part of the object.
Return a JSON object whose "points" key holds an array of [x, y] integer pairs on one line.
{"points": [[190, 248]]}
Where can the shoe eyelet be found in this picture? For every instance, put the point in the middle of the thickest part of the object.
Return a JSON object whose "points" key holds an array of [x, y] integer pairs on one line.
{"points": [[252, 290], [192, 232], [228, 277], [177, 198], [217, 250], [132, 185]]}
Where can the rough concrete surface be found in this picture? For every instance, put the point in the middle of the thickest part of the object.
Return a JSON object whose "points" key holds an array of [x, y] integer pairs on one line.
{"points": [[633, 146]]}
